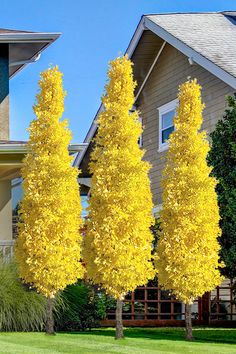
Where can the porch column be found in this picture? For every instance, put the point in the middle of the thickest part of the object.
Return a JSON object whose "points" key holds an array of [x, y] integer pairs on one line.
{"points": [[4, 91], [5, 211], [5, 186]]}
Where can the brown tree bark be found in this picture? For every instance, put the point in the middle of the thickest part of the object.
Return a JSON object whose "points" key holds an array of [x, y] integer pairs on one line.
{"points": [[188, 322], [49, 317], [119, 322]]}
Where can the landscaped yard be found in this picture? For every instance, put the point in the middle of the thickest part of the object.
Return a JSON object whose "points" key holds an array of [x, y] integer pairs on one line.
{"points": [[154, 340]]}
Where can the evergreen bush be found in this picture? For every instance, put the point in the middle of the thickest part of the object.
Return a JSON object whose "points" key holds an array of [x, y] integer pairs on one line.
{"points": [[84, 307]]}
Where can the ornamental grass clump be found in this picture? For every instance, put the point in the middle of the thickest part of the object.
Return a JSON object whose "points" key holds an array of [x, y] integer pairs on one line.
{"points": [[21, 309]]}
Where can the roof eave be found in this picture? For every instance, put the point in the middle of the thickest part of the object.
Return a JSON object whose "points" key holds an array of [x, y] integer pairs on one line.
{"points": [[191, 53], [29, 37], [47, 38], [23, 148]]}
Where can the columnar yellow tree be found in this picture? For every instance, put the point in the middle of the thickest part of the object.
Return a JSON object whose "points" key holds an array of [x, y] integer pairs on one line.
{"points": [[48, 247], [187, 254], [118, 242]]}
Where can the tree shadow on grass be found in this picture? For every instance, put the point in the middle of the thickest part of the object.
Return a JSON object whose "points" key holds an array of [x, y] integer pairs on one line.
{"points": [[203, 335]]}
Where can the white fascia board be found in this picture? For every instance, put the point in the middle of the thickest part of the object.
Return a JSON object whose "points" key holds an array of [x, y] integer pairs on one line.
{"points": [[16, 182], [191, 53], [23, 148], [92, 130], [28, 37], [136, 37], [85, 181], [156, 209], [13, 148], [89, 137], [93, 127], [73, 148]]}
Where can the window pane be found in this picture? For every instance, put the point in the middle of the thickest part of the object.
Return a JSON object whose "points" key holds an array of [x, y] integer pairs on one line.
{"points": [[84, 202], [166, 133], [17, 195], [139, 294], [167, 119]]}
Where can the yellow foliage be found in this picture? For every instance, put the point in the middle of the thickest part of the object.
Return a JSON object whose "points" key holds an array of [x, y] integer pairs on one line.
{"points": [[187, 254], [48, 247], [118, 242]]}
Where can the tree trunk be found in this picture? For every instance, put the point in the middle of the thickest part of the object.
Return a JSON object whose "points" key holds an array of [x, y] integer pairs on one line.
{"points": [[49, 317], [188, 322], [119, 323]]}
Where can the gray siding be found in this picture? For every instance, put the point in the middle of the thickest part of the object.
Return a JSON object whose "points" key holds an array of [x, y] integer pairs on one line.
{"points": [[170, 71]]}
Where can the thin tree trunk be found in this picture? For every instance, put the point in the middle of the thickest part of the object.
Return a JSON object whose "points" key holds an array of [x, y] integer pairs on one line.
{"points": [[49, 317], [119, 322], [188, 322]]}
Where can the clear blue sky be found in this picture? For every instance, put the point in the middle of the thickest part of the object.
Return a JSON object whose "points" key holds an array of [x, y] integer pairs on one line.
{"points": [[93, 32]]}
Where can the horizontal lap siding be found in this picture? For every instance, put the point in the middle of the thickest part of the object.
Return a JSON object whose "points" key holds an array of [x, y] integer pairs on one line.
{"points": [[171, 70]]}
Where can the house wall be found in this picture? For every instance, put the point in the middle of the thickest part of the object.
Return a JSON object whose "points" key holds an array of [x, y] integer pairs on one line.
{"points": [[170, 71]]}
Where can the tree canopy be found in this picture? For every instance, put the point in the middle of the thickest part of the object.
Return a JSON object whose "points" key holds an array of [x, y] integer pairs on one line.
{"points": [[222, 157], [118, 241], [48, 246], [187, 253]]}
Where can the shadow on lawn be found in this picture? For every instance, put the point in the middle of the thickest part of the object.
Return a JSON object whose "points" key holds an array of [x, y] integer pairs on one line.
{"points": [[204, 335]]}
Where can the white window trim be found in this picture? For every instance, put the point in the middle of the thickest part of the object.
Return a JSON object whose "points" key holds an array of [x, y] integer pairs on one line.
{"points": [[141, 135], [156, 210], [170, 106]]}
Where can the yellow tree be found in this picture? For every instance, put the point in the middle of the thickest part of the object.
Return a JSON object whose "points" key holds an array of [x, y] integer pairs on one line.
{"points": [[187, 254], [48, 247], [118, 242]]}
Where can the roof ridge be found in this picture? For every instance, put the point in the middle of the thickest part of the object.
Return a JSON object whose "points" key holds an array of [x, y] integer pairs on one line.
{"points": [[190, 13]]}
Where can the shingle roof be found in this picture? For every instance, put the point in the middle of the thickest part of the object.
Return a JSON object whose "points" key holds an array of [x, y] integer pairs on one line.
{"points": [[213, 35]]}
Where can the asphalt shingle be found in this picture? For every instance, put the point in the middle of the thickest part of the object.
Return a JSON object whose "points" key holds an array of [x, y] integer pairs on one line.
{"points": [[213, 35]]}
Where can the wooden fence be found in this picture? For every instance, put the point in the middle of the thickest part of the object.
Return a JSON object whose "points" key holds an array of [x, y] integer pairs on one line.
{"points": [[152, 306]]}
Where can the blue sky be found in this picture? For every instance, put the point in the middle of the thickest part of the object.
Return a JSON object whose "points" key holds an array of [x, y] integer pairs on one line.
{"points": [[93, 32]]}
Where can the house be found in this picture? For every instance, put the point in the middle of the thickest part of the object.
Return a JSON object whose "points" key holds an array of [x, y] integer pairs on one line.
{"points": [[17, 50], [166, 49]]}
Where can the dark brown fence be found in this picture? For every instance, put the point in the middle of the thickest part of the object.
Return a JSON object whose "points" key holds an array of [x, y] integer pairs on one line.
{"points": [[222, 304], [152, 306]]}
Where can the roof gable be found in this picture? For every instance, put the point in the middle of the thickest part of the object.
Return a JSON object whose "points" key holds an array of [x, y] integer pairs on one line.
{"points": [[211, 35], [209, 39]]}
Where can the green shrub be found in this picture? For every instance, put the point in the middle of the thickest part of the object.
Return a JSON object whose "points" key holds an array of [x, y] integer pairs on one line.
{"points": [[21, 309], [83, 308]]}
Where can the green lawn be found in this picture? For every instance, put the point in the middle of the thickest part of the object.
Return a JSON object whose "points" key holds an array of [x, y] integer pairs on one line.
{"points": [[143, 341]]}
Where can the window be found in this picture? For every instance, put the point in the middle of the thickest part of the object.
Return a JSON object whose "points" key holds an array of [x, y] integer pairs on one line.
{"points": [[166, 125], [140, 139], [84, 203]]}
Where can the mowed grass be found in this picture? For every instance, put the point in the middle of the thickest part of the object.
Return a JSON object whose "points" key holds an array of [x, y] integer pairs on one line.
{"points": [[138, 341]]}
